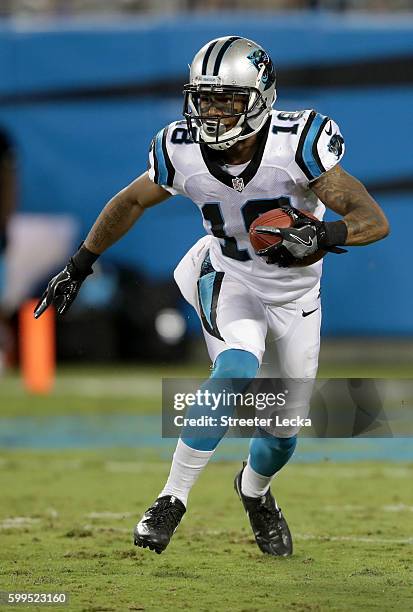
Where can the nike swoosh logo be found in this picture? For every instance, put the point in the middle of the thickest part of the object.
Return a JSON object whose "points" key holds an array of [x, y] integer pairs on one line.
{"points": [[331, 130], [308, 242], [305, 314]]}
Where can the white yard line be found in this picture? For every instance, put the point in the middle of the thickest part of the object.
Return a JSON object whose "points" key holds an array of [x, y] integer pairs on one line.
{"points": [[94, 386], [124, 466], [343, 471], [52, 513], [68, 464], [326, 538], [110, 387], [356, 508], [133, 466], [398, 508], [109, 515], [345, 508], [18, 522], [364, 539], [22, 522], [107, 529]]}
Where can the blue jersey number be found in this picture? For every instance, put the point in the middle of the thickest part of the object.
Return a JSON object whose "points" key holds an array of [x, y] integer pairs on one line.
{"points": [[250, 211]]}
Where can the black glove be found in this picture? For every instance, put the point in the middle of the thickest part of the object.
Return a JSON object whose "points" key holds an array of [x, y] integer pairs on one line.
{"points": [[64, 287], [304, 238]]}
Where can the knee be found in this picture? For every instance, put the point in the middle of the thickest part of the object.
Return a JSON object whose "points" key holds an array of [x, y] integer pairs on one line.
{"points": [[287, 444], [269, 454], [283, 445], [235, 363]]}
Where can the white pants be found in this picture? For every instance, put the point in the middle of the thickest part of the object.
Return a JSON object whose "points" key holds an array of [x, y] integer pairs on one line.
{"points": [[285, 339]]}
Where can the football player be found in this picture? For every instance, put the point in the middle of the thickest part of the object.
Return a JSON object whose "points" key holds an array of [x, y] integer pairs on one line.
{"points": [[236, 157]]}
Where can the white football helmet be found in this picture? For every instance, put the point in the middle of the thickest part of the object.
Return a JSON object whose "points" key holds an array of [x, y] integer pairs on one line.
{"points": [[239, 68]]}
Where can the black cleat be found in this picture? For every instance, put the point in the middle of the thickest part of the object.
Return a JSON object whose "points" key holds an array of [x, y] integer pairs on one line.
{"points": [[159, 523], [267, 521]]}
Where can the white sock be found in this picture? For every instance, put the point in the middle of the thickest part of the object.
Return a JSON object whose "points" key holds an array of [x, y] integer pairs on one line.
{"points": [[254, 484], [187, 464]]}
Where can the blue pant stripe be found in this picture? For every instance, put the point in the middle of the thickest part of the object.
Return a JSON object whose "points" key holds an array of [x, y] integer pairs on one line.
{"points": [[206, 287]]}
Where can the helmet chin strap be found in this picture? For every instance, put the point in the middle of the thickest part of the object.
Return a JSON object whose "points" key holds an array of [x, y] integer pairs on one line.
{"points": [[232, 136], [210, 140], [222, 146]]}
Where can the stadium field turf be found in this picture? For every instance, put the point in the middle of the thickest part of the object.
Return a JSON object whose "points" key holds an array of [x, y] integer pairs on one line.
{"points": [[66, 520]]}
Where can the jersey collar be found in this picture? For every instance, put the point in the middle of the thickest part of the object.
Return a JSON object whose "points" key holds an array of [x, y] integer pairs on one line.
{"points": [[248, 173]]}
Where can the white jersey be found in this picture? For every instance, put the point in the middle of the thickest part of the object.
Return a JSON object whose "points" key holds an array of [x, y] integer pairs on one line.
{"points": [[295, 148]]}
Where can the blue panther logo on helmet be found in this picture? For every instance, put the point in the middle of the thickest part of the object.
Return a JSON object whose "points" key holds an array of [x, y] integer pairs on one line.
{"points": [[258, 57]]}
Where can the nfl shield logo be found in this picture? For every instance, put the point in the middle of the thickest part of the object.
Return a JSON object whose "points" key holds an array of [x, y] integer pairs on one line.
{"points": [[238, 184]]}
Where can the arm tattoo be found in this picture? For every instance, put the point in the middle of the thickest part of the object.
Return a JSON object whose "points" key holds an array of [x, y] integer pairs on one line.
{"points": [[114, 221], [348, 197]]}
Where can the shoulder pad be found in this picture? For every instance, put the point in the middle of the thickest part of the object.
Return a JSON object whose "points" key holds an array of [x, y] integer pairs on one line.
{"points": [[163, 168], [167, 156], [320, 145]]}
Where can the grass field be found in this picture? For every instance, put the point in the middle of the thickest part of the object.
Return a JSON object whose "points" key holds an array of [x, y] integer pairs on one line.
{"points": [[66, 518]]}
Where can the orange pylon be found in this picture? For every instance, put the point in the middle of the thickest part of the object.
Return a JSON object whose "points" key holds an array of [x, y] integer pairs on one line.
{"points": [[37, 348]]}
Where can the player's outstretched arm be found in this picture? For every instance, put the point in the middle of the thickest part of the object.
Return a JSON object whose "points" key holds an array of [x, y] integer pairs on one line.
{"points": [[117, 217], [122, 211], [348, 197]]}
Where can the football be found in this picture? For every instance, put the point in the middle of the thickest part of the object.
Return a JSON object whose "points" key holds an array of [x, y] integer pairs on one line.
{"points": [[279, 218]]}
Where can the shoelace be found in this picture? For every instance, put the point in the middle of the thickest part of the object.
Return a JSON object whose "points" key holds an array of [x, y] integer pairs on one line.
{"points": [[164, 513]]}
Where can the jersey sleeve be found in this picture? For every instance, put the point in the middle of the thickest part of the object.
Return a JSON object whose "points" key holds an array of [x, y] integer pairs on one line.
{"points": [[161, 168], [320, 146]]}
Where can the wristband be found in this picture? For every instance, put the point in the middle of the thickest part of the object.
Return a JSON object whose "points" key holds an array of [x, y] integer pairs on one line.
{"points": [[83, 260], [332, 233]]}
